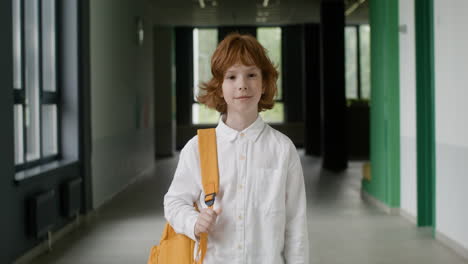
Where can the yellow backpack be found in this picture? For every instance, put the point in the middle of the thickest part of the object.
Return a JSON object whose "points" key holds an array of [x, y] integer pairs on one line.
{"points": [[177, 248]]}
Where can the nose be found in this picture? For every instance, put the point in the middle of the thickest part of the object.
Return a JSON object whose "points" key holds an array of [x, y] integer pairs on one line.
{"points": [[242, 84]]}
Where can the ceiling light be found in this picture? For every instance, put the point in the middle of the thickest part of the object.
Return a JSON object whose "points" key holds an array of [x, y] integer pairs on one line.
{"points": [[202, 3], [353, 7], [265, 3]]}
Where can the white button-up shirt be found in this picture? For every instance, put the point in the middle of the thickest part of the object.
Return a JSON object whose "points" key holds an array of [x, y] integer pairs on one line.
{"points": [[261, 192]]}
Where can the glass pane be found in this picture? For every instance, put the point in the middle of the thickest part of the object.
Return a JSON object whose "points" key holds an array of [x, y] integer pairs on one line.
{"points": [[205, 42], [204, 115], [275, 115], [351, 62], [48, 45], [32, 79], [19, 139], [17, 84], [270, 38], [49, 130], [365, 60]]}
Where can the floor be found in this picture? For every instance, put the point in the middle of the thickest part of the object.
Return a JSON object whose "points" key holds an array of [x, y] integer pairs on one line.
{"points": [[342, 227]]}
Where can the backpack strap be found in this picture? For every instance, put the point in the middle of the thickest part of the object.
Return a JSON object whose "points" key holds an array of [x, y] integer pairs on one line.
{"points": [[208, 153]]}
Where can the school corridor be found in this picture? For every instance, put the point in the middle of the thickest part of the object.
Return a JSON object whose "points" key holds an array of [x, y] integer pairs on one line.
{"points": [[343, 228], [98, 98]]}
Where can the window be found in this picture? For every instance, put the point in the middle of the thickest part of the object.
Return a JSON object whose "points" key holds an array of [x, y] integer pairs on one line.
{"points": [[205, 42], [364, 48], [357, 61], [270, 38], [36, 99], [351, 62]]}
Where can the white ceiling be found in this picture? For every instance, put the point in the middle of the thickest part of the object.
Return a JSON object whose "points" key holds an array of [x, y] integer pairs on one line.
{"points": [[244, 12]]}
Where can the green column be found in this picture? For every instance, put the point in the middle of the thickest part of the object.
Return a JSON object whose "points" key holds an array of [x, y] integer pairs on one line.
{"points": [[424, 28], [385, 105]]}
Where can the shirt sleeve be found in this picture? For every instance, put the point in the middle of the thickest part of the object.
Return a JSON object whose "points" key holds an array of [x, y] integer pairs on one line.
{"points": [[296, 247], [183, 192]]}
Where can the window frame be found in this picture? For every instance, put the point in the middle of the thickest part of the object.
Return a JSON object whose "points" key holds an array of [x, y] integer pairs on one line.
{"points": [[45, 97], [357, 30], [192, 95]]}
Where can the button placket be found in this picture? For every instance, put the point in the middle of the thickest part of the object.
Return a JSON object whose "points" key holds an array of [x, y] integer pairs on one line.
{"points": [[241, 202]]}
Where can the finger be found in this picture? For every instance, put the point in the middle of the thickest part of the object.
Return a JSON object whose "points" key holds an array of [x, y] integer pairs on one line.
{"points": [[207, 218], [202, 228], [204, 222], [210, 212], [205, 214], [218, 211]]}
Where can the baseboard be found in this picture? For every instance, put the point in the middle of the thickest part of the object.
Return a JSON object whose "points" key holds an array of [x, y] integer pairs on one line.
{"points": [[379, 204], [47, 245], [443, 239], [408, 216], [452, 244]]}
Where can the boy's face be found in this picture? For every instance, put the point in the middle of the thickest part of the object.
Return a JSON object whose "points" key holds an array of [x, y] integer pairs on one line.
{"points": [[242, 88]]}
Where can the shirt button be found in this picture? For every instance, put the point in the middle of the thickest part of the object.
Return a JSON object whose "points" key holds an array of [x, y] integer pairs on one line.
{"points": [[242, 134], [240, 217], [239, 246], [241, 186], [242, 157]]}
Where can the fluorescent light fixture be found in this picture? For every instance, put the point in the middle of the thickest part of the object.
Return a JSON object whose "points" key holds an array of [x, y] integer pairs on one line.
{"points": [[353, 7], [202, 3], [265, 3]]}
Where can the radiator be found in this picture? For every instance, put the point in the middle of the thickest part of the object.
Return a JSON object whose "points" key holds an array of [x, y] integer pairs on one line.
{"points": [[42, 214], [71, 198]]}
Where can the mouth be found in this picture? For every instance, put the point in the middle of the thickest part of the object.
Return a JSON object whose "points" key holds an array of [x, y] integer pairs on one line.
{"points": [[243, 97]]}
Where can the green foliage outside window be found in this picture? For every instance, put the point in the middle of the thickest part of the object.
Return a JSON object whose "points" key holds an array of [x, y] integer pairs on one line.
{"points": [[351, 61], [270, 38], [364, 33], [205, 42]]}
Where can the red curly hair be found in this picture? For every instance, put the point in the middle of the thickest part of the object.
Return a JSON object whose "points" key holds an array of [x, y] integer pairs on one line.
{"points": [[238, 49]]}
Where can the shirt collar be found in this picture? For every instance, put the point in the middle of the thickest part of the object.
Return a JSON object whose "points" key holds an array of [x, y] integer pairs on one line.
{"points": [[251, 132]]}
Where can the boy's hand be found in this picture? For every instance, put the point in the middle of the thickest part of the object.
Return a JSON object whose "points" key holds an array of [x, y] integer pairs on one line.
{"points": [[206, 220]]}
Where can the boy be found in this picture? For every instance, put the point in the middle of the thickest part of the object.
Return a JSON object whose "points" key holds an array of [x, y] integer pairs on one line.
{"points": [[260, 211]]}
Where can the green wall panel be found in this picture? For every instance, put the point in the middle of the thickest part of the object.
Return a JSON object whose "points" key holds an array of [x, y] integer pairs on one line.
{"points": [[424, 23], [385, 116]]}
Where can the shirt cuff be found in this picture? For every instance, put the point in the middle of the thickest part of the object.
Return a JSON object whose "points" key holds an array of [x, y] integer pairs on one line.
{"points": [[190, 224]]}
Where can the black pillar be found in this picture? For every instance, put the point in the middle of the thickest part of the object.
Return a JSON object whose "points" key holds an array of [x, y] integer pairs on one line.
{"points": [[312, 97], [184, 74], [334, 144], [292, 47], [164, 123]]}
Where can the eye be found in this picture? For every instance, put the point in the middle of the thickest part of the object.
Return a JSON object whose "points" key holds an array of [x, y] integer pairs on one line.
{"points": [[231, 77], [252, 75]]}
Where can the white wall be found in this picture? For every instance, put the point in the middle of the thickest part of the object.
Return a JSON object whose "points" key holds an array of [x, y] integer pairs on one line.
{"points": [[451, 111], [121, 96], [407, 109]]}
